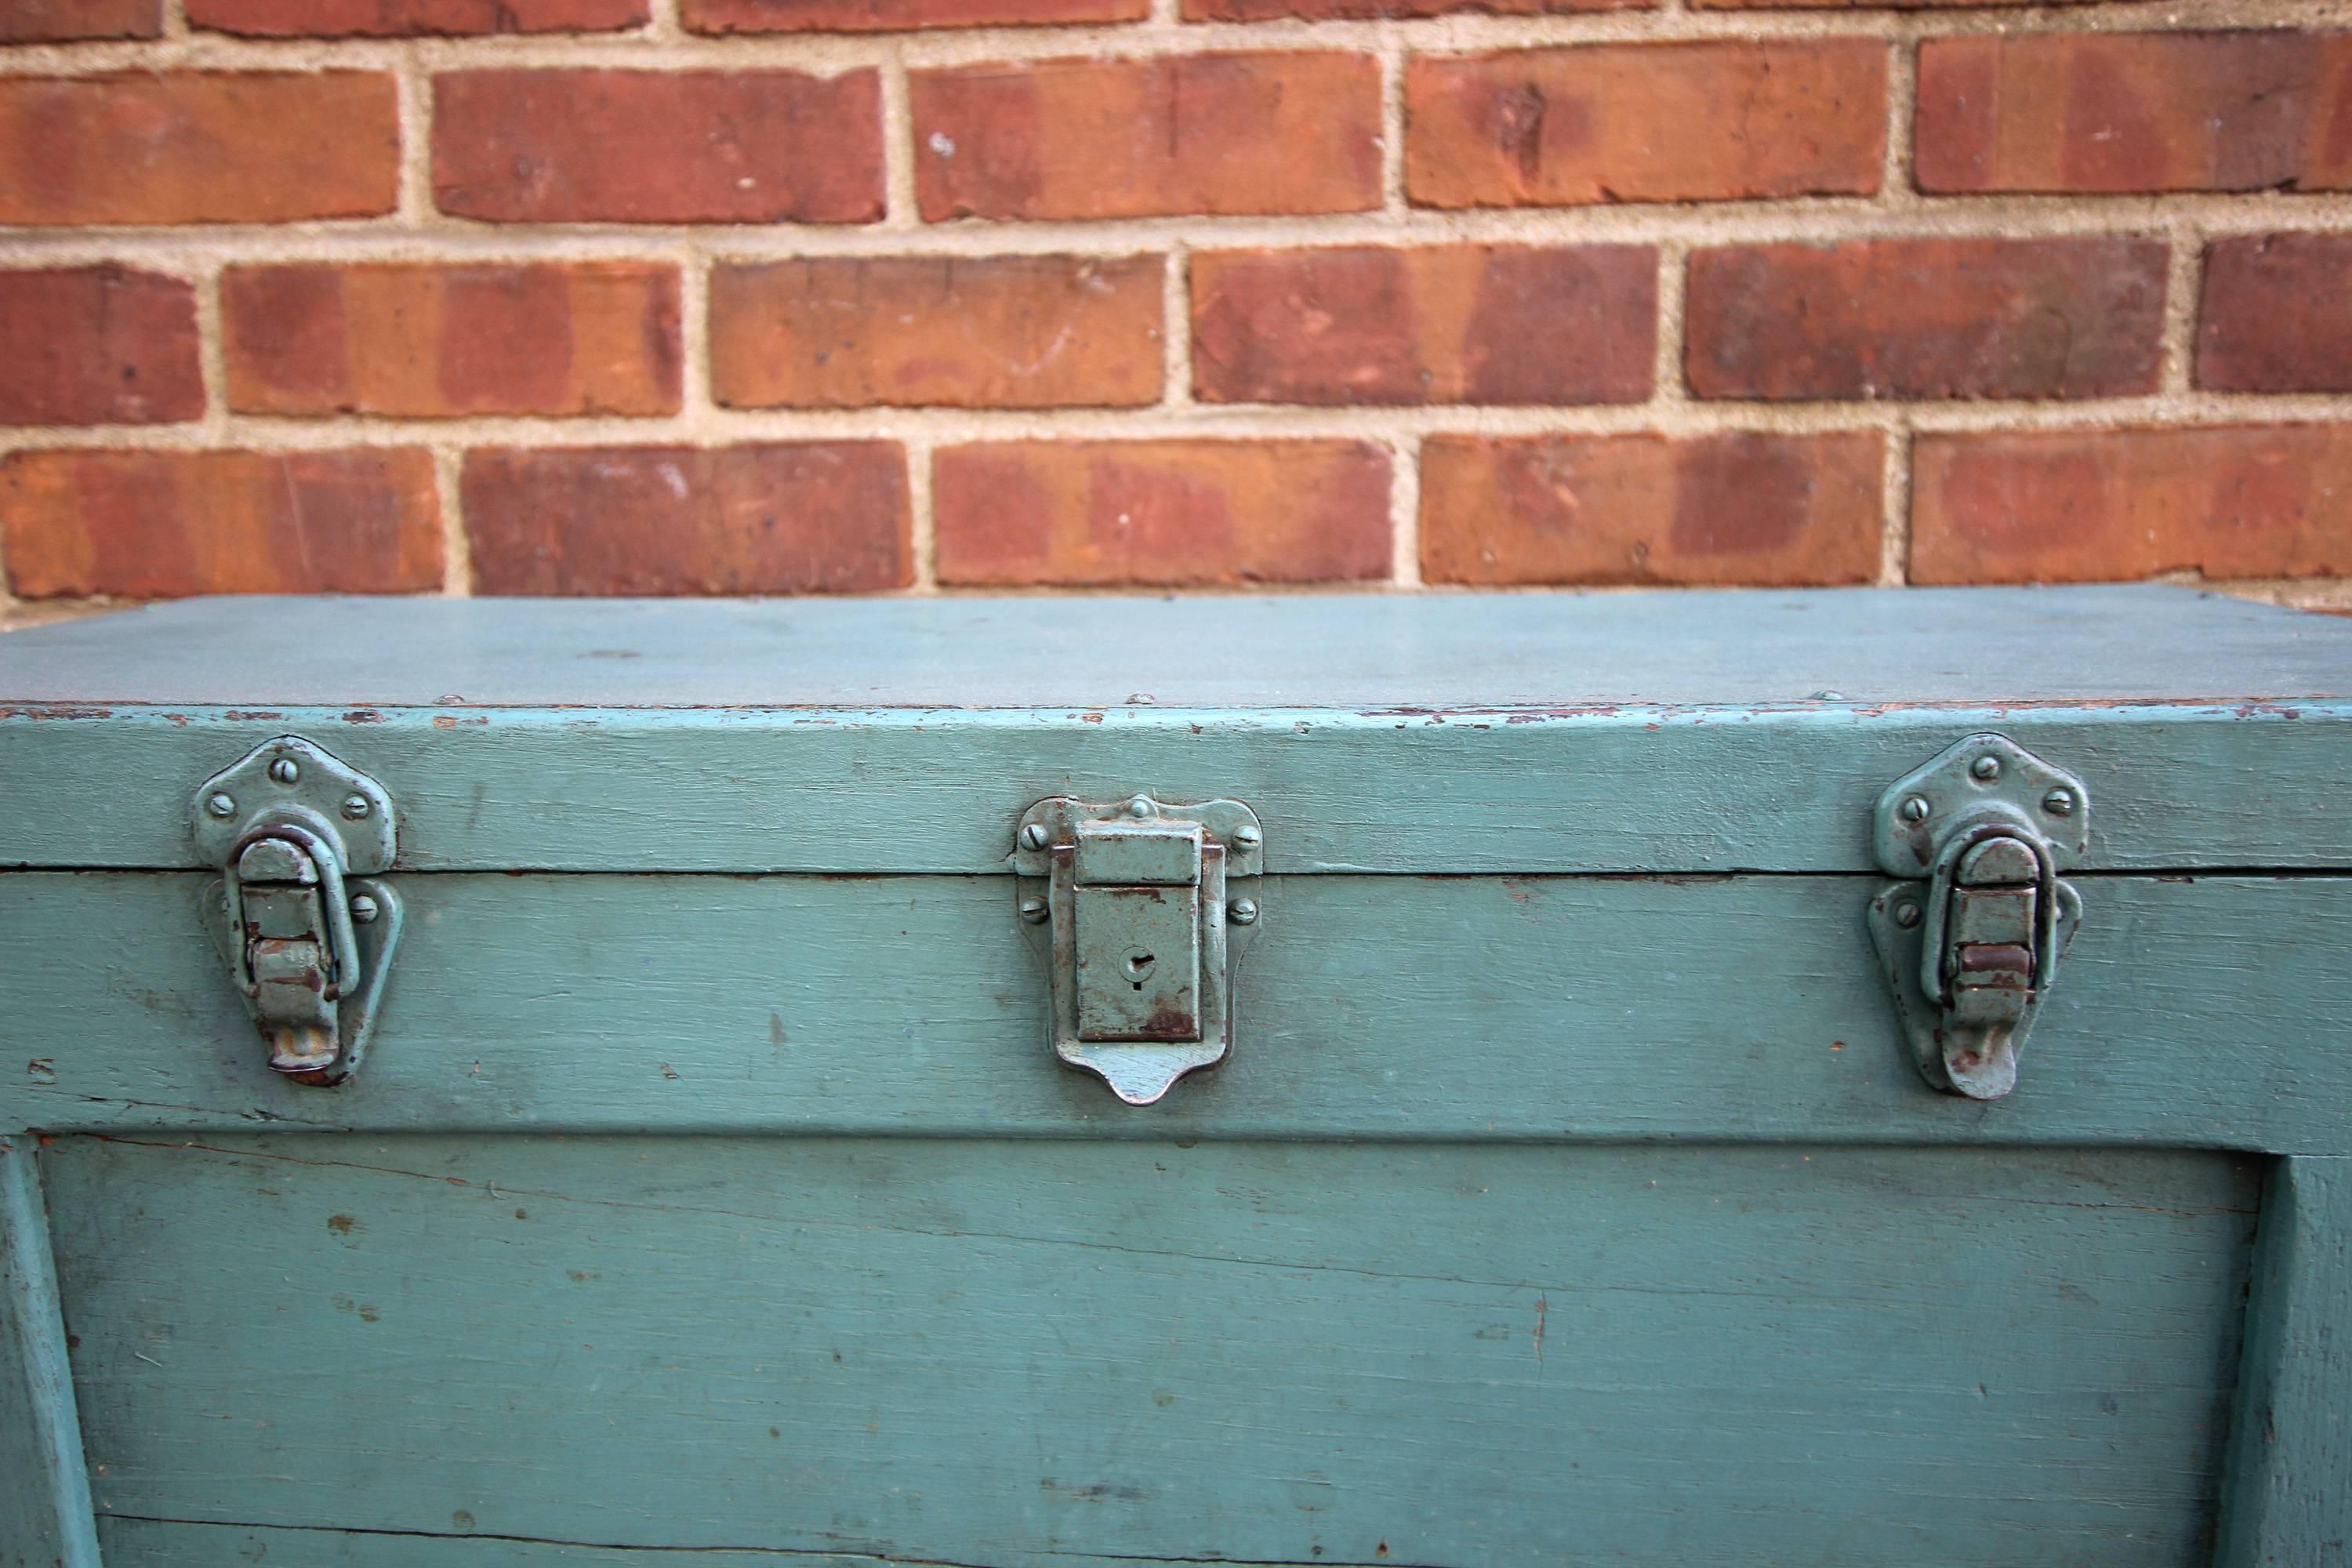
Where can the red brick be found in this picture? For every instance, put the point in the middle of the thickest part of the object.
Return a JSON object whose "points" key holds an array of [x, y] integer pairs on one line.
{"points": [[1740, 510], [2277, 314], [626, 146], [410, 18], [197, 147], [1869, 5], [2135, 111], [998, 332], [2074, 507], [1196, 133], [1444, 324], [158, 525], [55, 21], [1646, 123], [1342, 10], [445, 340], [897, 15], [98, 345], [1927, 318], [786, 518], [1104, 514]]}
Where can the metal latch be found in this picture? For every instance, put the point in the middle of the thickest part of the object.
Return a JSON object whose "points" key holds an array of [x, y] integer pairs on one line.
{"points": [[1972, 950], [1139, 911], [308, 939]]}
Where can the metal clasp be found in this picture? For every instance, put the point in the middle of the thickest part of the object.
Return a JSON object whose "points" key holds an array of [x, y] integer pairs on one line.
{"points": [[308, 943], [1137, 909], [1971, 952]]}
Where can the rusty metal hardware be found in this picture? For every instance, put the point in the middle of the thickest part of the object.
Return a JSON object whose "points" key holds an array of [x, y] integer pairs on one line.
{"points": [[1971, 937], [307, 934], [1138, 909]]}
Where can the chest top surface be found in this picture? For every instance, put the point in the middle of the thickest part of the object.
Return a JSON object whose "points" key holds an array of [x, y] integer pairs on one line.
{"points": [[1976, 648]]}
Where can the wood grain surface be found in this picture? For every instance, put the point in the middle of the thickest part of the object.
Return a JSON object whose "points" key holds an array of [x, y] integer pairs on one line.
{"points": [[1000, 1351]]}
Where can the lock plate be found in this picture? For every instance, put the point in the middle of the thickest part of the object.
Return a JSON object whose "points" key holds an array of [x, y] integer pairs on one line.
{"points": [[1134, 908], [1971, 937], [307, 937]]}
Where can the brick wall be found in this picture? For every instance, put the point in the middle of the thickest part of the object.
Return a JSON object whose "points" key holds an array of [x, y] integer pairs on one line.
{"points": [[785, 296]]}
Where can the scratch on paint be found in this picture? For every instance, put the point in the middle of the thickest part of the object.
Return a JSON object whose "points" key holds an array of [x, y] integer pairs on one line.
{"points": [[1542, 1306]]}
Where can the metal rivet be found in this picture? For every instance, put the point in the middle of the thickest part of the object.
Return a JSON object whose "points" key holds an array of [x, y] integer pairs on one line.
{"points": [[1985, 768], [1034, 835], [1906, 915], [1915, 809], [1139, 807], [364, 908], [356, 806], [1246, 835], [2059, 803], [1033, 911], [221, 805], [285, 770], [1242, 912]]}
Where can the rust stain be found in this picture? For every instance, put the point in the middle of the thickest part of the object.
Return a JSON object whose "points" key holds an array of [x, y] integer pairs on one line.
{"points": [[364, 716], [242, 713], [341, 1224], [1542, 1308]]}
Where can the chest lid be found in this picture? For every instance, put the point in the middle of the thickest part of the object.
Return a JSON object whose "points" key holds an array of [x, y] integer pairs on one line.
{"points": [[1628, 733]]}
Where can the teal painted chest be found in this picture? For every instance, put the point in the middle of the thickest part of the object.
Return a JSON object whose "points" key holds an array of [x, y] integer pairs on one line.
{"points": [[1839, 1079]]}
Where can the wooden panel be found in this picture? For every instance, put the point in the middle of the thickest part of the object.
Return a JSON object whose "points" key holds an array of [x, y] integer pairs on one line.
{"points": [[45, 1513], [2189, 1014], [2245, 787], [2290, 1496], [2014, 648], [993, 1352]]}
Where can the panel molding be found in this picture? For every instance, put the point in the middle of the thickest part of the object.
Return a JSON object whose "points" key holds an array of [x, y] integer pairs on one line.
{"points": [[44, 1501]]}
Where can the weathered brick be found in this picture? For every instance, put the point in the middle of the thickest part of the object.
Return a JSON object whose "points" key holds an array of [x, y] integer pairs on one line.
{"points": [[2277, 314], [998, 332], [409, 18], [1927, 318], [197, 147], [1442, 324], [1294, 132], [782, 518], [98, 345], [56, 21], [1646, 123], [633, 146], [1741, 510], [1871, 5], [2135, 111], [1099, 513], [156, 525], [446, 340], [1339, 10], [896, 16], [2074, 506]]}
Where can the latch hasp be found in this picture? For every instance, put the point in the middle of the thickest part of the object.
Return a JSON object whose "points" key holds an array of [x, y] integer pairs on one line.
{"points": [[306, 930], [1971, 937], [1136, 910]]}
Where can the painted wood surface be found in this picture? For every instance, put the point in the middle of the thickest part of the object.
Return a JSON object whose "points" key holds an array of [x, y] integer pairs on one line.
{"points": [[2189, 1013], [2248, 785], [998, 1351], [45, 1510], [2290, 1492], [2098, 645]]}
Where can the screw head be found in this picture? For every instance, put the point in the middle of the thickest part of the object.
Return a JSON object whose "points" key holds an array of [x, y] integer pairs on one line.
{"points": [[1141, 807], [1906, 915], [1247, 835], [1986, 769], [285, 770], [2059, 803], [1034, 835], [1915, 809], [1242, 911], [221, 805], [1033, 911], [364, 908], [356, 806]]}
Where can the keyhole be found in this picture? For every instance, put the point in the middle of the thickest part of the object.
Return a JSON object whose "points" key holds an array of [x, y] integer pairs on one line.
{"points": [[1139, 966]]}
